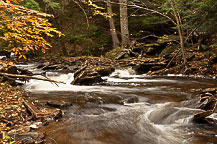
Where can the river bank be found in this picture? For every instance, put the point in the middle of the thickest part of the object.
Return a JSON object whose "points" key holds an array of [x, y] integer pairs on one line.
{"points": [[20, 115], [198, 64], [14, 117]]}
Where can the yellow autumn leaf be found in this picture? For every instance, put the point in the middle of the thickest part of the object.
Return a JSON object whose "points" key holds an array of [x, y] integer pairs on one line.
{"points": [[20, 56], [8, 1], [24, 57], [43, 50]]}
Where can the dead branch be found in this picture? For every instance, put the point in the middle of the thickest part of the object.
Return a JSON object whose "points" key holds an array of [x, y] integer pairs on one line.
{"points": [[154, 11], [88, 24], [30, 77], [173, 58], [80, 70]]}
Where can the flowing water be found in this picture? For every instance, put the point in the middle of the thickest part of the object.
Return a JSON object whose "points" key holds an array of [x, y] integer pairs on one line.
{"points": [[160, 111]]}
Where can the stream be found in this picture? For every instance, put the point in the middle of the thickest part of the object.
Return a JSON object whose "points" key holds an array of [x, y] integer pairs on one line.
{"points": [[126, 109]]}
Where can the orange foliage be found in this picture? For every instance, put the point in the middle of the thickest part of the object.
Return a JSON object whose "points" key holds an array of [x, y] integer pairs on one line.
{"points": [[24, 29]]}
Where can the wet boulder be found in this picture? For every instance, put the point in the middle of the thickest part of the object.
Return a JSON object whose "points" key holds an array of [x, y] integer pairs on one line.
{"points": [[89, 75], [143, 68], [208, 102], [105, 71], [89, 79]]}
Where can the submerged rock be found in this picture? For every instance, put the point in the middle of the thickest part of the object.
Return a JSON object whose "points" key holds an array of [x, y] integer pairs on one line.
{"points": [[31, 138], [129, 100], [59, 104]]}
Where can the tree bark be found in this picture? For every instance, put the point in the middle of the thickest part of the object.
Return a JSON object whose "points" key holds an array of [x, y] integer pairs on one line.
{"points": [[124, 23], [63, 47], [113, 32], [61, 27], [180, 31]]}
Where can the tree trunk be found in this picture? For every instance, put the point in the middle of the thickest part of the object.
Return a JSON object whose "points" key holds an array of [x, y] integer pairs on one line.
{"points": [[124, 23], [61, 27], [63, 47], [180, 37], [113, 32], [180, 31]]}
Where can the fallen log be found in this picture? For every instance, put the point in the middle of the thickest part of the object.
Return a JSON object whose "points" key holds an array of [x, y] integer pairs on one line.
{"points": [[78, 77], [42, 114], [30, 77], [78, 74], [80, 70], [32, 109]]}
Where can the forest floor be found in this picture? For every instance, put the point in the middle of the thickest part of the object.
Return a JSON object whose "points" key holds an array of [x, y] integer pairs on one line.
{"points": [[20, 115], [13, 114], [197, 64]]}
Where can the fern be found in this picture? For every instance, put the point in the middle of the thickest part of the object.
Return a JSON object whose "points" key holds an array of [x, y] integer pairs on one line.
{"points": [[51, 4]]}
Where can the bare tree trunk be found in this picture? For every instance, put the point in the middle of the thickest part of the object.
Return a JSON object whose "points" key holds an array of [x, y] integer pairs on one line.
{"points": [[180, 31], [64, 3], [124, 23], [113, 32], [63, 47]]}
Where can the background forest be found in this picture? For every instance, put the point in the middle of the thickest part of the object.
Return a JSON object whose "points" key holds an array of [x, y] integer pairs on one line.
{"points": [[151, 27]]}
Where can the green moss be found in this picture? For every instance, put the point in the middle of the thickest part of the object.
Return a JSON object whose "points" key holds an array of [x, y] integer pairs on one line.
{"points": [[169, 49], [114, 53]]}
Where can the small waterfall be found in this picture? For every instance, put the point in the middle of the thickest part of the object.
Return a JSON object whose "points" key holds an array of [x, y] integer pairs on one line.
{"points": [[121, 73], [67, 78], [38, 85], [128, 75], [71, 78]]}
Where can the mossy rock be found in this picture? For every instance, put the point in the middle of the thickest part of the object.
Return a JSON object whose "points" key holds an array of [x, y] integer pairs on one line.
{"points": [[169, 49], [117, 53], [113, 53]]}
